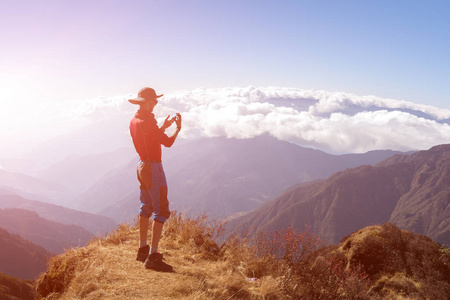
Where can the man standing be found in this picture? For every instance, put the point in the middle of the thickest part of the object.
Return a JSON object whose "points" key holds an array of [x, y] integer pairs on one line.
{"points": [[147, 139]]}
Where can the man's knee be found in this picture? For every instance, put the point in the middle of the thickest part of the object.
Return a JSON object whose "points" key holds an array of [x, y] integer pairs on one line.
{"points": [[160, 203], [164, 212], [145, 210]]}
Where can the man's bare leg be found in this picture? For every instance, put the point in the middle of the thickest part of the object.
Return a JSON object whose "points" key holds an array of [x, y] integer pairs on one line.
{"points": [[143, 229], [144, 248], [155, 260], [156, 235]]}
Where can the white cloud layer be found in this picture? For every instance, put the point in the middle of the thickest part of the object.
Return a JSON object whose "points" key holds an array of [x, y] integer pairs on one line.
{"points": [[331, 121], [335, 122]]}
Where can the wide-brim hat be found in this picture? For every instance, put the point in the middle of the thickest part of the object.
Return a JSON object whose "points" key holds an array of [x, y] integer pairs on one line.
{"points": [[145, 94]]}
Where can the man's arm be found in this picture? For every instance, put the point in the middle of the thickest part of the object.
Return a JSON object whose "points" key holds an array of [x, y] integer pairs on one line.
{"points": [[167, 123], [168, 141], [175, 134]]}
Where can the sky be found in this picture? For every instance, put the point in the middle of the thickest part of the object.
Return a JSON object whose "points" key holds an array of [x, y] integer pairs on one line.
{"points": [[59, 57]]}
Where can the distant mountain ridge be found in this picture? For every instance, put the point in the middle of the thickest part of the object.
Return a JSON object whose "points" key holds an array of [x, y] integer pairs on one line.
{"points": [[95, 224], [31, 187], [412, 191], [21, 258], [221, 176], [53, 236], [78, 172]]}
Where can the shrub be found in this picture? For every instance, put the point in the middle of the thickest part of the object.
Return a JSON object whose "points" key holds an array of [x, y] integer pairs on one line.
{"points": [[324, 275], [117, 237], [60, 273], [308, 269], [198, 233], [287, 244]]}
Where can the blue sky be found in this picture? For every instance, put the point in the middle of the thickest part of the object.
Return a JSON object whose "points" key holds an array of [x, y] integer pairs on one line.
{"points": [[83, 49], [55, 52]]}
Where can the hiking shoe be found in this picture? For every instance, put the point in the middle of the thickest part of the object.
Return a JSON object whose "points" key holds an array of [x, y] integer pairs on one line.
{"points": [[154, 262], [143, 253]]}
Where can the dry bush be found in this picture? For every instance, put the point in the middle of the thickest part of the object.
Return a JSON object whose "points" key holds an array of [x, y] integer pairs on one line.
{"points": [[398, 262], [230, 265], [239, 254], [287, 244], [418, 258], [343, 282], [302, 267], [323, 275], [444, 257], [60, 273], [195, 234], [381, 250], [398, 286], [296, 265], [119, 236]]}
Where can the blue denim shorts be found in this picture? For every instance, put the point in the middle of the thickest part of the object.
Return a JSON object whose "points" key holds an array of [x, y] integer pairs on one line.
{"points": [[153, 188]]}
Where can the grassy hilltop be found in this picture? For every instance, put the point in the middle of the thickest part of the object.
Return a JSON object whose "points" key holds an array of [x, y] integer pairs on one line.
{"points": [[377, 262]]}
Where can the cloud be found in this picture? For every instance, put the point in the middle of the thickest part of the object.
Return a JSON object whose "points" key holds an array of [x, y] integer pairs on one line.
{"points": [[335, 122], [331, 121], [103, 107]]}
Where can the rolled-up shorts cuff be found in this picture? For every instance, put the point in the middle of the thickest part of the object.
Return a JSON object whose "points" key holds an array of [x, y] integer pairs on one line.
{"points": [[160, 219]]}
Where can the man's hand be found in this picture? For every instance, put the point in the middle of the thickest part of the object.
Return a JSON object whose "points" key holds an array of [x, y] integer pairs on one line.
{"points": [[167, 123], [178, 121]]}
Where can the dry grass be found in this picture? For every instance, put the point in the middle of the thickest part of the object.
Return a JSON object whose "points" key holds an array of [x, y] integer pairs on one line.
{"points": [[106, 268]]}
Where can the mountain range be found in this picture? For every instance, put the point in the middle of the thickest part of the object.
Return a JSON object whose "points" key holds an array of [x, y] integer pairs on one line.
{"points": [[53, 236], [221, 176], [95, 224], [31, 187], [78, 172], [21, 258], [412, 191]]}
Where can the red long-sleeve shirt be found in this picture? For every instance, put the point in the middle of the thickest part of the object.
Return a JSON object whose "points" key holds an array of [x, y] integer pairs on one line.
{"points": [[147, 137]]}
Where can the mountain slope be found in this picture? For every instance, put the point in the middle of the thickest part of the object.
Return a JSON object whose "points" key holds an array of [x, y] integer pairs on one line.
{"points": [[16, 288], [21, 258], [425, 208], [96, 224], [412, 191], [53, 236], [221, 176]]}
